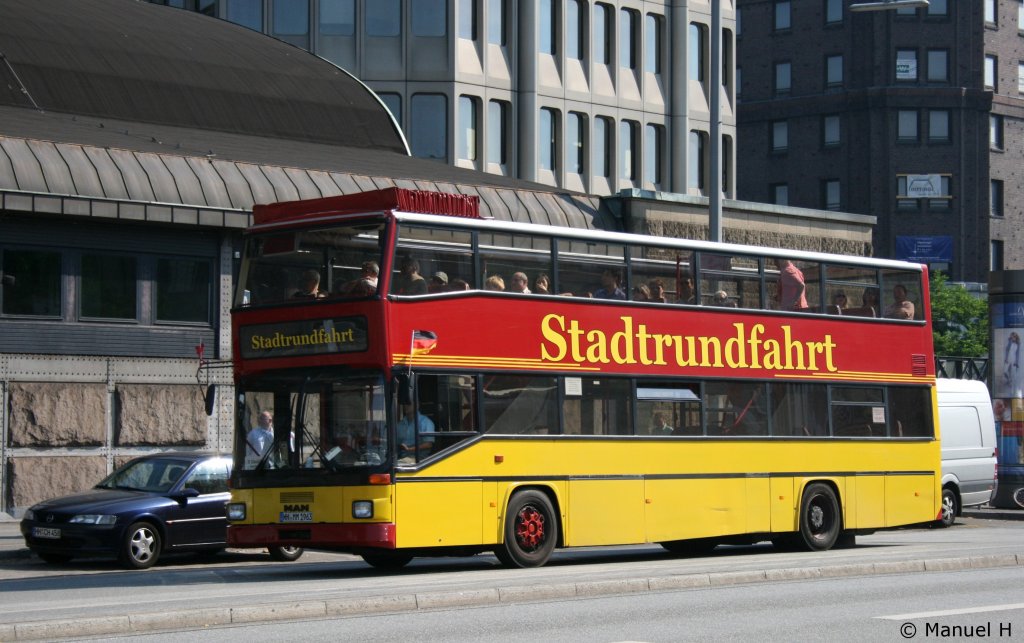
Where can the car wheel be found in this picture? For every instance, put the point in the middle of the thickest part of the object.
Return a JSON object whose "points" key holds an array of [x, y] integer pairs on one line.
{"points": [[286, 553], [1018, 497], [54, 559], [950, 508], [141, 546]]}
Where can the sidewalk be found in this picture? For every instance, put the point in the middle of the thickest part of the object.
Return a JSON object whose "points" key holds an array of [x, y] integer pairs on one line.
{"points": [[12, 545]]}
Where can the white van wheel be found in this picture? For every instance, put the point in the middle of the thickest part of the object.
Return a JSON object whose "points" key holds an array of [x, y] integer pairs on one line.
{"points": [[950, 507]]}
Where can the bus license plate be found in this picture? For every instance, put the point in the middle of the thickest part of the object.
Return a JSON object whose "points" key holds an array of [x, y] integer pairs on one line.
{"points": [[296, 516], [45, 532]]}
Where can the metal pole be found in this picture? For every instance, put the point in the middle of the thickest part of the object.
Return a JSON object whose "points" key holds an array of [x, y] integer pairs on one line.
{"points": [[715, 179]]}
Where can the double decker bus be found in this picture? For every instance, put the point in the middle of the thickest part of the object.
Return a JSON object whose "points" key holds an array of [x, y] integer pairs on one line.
{"points": [[636, 389]]}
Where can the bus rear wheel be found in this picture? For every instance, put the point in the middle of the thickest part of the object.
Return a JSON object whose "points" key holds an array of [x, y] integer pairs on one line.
{"points": [[531, 531], [820, 519]]}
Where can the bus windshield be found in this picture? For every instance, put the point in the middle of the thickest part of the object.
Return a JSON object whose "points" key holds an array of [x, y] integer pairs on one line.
{"points": [[331, 424], [287, 266]]}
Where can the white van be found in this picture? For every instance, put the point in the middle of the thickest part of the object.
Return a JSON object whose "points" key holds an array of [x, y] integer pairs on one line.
{"points": [[968, 436]]}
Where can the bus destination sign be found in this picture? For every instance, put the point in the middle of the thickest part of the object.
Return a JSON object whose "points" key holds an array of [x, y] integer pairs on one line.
{"points": [[305, 337]]}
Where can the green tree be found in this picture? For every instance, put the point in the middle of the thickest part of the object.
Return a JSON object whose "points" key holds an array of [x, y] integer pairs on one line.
{"points": [[959, 320]]}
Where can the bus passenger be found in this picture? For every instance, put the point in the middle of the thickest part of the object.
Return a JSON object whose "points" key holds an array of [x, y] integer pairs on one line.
{"points": [[438, 283], [457, 284], [412, 422], [792, 290], [641, 293], [870, 301], [495, 282], [659, 425], [657, 290], [409, 281], [366, 285], [901, 307], [747, 417], [542, 285], [309, 286], [259, 440], [520, 283], [610, 289], [840, 301]]}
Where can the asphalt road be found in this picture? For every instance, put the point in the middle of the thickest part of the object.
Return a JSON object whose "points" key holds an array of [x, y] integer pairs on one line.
{"points": [[93, 597]]}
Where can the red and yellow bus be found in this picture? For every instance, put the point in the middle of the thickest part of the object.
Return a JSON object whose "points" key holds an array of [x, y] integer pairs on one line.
{"points": [[440, 383]]}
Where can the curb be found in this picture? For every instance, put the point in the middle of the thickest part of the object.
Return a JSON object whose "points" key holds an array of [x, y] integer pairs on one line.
{"points": [[178, 620]]}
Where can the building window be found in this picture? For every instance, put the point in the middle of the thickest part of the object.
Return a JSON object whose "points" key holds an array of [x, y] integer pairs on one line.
{"points": [[906, 125], [469, 125], [830, 194], [938, 125], [906, 64], [739, 81], [108, 287], [652, 44], [996, 198], [654, 135], [833, 11], [548, 26], [602, 147], [783, 15], [695, 164], [337, 17], [547, 139], [496, 32], [627, 150], [394, 104], [1020, 15], [291, 22], [575, 143], [31, 283], [938, 65], [780, 194], [903, 201], [831, 134], [995, 131], [727, 154], [996, 255], [467, 19], [497, 132], [628, 19], [991, 64], [938, 8], [183, 292], [906, 11], [429, 18], [782, 77], [990, 12], [780, 136], [428, 129], [574, 38], [1020, 78], [695, 49], [383, 18], [834, 71], [944, 190], [248, 13], [602, 34]]}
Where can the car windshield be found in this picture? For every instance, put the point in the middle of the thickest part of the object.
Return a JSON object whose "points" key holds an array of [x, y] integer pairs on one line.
{"points": [[157, 475], [332, 423]]}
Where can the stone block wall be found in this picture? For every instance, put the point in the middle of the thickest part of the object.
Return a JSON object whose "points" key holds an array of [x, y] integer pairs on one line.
{"points": [[57, 415], [152, 415], [37, 478]]}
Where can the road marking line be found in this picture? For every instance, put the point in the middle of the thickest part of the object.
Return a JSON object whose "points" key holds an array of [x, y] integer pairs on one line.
{"points": [[965, 610]]}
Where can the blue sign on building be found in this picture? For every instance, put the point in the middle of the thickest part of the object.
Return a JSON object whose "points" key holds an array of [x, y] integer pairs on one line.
{"points": [[925, 249]]}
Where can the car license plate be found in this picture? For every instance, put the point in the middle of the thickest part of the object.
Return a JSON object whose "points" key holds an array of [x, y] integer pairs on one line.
{"points": [[296, 516], [45, 532]]}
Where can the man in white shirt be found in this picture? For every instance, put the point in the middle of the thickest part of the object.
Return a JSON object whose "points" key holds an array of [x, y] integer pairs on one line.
{"points": [[259, 439]]}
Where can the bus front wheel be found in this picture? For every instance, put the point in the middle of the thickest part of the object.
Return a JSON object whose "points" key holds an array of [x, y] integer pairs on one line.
{"points": [[387, 561], [820, 519], [531, 531]]}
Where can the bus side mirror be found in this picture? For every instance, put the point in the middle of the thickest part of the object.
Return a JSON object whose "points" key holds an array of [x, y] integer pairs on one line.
{"points": [[210, 398], [406, 388]]}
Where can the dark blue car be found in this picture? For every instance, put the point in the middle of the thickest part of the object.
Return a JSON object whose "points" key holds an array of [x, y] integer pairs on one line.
{"points": [[152, 504]]}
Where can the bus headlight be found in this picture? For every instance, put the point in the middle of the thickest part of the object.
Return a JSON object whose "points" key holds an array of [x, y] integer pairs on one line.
{"points": [[362, 509], [236, 511]]}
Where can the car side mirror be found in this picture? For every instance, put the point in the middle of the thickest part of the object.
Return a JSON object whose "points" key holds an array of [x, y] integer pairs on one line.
{"points": [[185, 494]]}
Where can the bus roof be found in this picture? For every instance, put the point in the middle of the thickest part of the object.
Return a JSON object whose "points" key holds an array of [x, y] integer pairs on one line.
{"points": [[440, 203]]}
